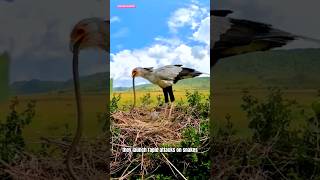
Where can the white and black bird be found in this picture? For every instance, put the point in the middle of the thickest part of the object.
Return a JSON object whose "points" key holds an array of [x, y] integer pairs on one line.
{"points": [[230, 37], [165, 77]]}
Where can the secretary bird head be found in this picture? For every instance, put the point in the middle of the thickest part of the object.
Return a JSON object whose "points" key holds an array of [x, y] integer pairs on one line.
{"points": [[140, 71], [90, 33]]}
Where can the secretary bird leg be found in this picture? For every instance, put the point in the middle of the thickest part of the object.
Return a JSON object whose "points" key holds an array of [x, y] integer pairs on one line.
{"points": [[166, 100], [171, 110], [165, 109], [170, 91]]}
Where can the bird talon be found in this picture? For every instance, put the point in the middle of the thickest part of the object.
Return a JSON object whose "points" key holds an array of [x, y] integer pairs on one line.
{"points": [[171, 109], [165, 110]]}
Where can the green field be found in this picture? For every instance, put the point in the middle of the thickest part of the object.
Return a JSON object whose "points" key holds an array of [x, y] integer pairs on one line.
{"points": [[127, 97], [54, 111], [229, 102]]}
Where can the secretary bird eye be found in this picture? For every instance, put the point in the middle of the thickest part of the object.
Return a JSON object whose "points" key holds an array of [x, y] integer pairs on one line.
{"points": [[80, 31]]}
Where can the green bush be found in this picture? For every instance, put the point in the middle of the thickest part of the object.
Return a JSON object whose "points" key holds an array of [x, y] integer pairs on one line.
{"points": [[199, 103], [160, 100], [198, 163], [11, 139], [268, 119], [114, 103], [276, 150], [146, 100]]}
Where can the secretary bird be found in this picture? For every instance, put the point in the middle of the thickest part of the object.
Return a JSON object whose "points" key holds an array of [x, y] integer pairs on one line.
{"points": [[165, 77], [88, 33], [230, 37]]}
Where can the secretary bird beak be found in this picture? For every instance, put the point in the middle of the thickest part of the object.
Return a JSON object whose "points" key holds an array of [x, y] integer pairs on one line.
{"points": [[133, 75], [134, 91]]}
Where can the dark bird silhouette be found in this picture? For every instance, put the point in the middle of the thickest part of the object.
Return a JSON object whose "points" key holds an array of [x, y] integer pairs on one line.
{"points": [[88, 33], [230, 37]]}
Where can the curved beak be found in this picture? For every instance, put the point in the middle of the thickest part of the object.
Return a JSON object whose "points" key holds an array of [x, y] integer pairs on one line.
{"points": [[75, 43], [134, 74]]}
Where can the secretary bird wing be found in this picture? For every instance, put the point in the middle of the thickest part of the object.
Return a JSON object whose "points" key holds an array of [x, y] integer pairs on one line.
{"points": [[221, 13], [169, 72], [235, 36], [150, 69]]}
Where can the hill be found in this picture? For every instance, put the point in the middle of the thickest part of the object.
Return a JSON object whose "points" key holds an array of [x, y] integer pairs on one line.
{"points": [[91, 83], [200, 83], [298, 69]]}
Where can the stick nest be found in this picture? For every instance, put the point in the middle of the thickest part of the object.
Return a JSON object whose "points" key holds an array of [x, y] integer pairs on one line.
{"points": [[146, 128]]}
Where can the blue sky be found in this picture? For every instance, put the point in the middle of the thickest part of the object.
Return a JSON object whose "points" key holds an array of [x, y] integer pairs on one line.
{"points": [[138, 26], [157, 33]]}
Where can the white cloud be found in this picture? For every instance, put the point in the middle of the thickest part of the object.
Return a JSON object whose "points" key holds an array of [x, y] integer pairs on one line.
{"points": [[168, 41], [114, 19], [188, 16], [203, 32]]}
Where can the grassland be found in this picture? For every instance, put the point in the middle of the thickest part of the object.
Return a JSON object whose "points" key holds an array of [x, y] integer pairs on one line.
{"points": [[127, 96], [229, 102], [54, 112]]}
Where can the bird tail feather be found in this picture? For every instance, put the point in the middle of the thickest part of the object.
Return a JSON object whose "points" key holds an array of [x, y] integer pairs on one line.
{"points": [[187, 73], [310, 39]]}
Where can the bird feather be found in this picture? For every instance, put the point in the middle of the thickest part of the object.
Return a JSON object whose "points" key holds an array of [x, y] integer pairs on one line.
{"points": [[235, 36], [168, 72]]}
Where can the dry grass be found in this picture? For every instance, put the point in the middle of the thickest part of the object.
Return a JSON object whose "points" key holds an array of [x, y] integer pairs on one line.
{"points": [[152, 126], [146, 129], [90, 162]]}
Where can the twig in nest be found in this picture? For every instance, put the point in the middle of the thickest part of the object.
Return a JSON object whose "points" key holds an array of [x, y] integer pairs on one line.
{"points": [[173, 166], [142, 169], [125, 176], [58, 143]]}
